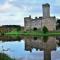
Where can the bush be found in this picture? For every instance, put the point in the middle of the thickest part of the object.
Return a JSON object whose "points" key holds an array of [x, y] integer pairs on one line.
{"points": [[45, 30], [4, 57], [2, 33]]}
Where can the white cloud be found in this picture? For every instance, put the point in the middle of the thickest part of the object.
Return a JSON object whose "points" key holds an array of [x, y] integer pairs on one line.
{"points": [[10, 14], [14, 11], [5, 7]]}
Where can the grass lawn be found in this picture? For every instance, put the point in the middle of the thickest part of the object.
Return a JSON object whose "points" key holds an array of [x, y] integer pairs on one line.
{"points": [[33, 33]]}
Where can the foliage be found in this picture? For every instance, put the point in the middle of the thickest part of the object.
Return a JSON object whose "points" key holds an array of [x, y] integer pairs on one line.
{"points": [[45, 30], [59, 44], [17, 27], [4, 57], [45, 38], [33, 33], [2, 33]]}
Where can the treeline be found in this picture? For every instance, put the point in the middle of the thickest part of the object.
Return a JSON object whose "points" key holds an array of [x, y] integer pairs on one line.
{"points": [[17, 27], [58, 24], [9, 28]]}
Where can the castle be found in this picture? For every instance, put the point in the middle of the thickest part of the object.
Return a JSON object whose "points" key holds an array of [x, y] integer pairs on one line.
{"points": [[39, 23]]}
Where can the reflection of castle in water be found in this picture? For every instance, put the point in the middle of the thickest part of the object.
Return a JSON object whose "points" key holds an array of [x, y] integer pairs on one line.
{"points": [[30, 43], [38, 43]]}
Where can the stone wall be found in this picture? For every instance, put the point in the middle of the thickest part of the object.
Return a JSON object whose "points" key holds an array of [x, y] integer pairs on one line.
{"points": [[30, 23], [50, 23], [46, 20]]}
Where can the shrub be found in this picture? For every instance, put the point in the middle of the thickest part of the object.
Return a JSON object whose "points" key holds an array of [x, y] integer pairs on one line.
{"points": [[45, 30], [4, 57]]}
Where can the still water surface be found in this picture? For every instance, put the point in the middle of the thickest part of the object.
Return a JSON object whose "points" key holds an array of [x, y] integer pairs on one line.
{"points": [[31, 48]]}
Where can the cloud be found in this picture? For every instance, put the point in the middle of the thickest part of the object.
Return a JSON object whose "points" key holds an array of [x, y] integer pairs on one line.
{"points": [[5, 7], [14, 11], [10, 14], [14, 16]]}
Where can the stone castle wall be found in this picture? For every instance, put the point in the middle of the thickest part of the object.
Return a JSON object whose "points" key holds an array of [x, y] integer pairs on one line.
{"points": [[50, 23], [39, 23]]}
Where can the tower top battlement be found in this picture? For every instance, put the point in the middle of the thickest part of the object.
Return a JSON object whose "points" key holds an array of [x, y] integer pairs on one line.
{"points": [[46, 4]]}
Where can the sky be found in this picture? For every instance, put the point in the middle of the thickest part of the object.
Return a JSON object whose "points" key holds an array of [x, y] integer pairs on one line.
{"points": [[12, 12]]}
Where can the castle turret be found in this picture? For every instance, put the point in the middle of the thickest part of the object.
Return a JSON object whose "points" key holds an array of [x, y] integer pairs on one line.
{"points": [[46, 10], [27, 23]]}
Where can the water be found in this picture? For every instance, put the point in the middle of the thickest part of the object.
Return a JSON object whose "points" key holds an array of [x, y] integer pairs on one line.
{"points": [[31, 48]]}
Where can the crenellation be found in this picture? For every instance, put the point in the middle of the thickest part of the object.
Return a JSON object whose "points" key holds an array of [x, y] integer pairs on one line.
{"points": [[40, 22], [46, 5]]}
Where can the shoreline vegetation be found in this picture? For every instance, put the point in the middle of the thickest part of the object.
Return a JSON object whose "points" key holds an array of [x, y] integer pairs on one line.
{"points": [[32, 33], [17, 30], [5, 57]]}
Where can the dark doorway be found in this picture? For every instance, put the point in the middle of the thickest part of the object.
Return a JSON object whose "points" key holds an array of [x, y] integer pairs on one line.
{"points": [[35, 29]]}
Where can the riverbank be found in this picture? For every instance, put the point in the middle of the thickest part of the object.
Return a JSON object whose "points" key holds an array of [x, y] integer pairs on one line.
{"points": [[5, 57], [33, 33]]}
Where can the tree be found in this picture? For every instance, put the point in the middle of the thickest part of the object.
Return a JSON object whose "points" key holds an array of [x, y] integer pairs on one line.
{"points": [[45, 30], [19, 28]]}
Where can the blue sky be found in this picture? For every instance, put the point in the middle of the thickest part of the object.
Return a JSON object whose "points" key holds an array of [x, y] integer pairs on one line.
{"points": [[14, 11]]}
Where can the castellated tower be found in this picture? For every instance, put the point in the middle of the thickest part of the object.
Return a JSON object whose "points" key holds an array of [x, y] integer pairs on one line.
{"points": [[40, 22], [27, 23], [46, 10]]}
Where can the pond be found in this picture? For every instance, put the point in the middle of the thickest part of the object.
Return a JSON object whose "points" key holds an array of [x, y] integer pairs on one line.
{"points": [[31, 48]]}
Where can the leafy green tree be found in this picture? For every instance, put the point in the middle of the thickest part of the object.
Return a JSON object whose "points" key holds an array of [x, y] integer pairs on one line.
{"points": [[45, 30], [18, 28]]}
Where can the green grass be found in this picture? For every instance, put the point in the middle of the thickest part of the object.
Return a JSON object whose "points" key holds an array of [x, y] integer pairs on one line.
{"points": [[4, 57], [33, 33]]}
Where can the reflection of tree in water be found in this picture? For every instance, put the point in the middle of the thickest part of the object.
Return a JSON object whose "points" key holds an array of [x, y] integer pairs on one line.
{"points": [[10, 38], [45, 38], [59, 44], [4, 57], [35, 38], [58, 40]]}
